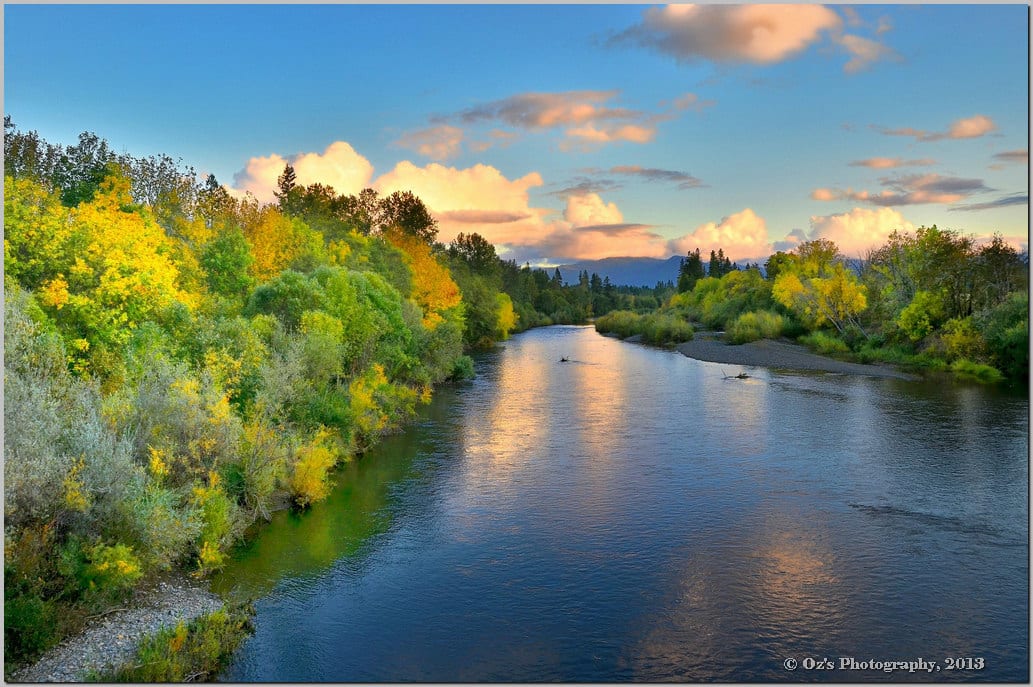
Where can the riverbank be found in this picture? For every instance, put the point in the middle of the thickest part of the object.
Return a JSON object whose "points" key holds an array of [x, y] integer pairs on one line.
{"points": [[779, 355], [110, 640]]}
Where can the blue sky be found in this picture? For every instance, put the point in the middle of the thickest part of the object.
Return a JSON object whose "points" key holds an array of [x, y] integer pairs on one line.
{"points": [[563, 132]]}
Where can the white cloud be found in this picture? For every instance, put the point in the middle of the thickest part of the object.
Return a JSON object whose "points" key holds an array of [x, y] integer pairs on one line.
{"points": [[858, 230], [742, 235], [589, 208], [457, 196], [339, 166]]}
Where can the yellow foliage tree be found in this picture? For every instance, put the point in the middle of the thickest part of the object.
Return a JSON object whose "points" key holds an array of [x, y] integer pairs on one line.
{"points": [[837, 298], [36, 233], [308, 481], [433, 288], [121, 275], [278, 242], [507, 317]]}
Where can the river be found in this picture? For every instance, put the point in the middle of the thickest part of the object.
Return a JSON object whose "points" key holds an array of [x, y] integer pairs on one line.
{"points": [[632, 515]]}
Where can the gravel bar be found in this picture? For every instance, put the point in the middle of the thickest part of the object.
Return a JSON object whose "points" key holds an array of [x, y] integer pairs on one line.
{"points": [[111, 640], [779, 355]]}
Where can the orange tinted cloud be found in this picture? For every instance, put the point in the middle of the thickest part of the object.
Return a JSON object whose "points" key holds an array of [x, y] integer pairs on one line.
{"points": [[891, 162], [968, 127], [438, 142], [761, 34]]}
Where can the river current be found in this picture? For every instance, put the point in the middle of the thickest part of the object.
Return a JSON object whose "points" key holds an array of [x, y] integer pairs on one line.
{"points": [[634, 515]]}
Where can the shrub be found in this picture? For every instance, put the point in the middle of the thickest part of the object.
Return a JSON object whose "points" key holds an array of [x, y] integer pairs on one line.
{"points": [[160, 525], [977, 371], [110, 571], [623, 323], [196, 651], [751, 326], [219, 524], [961, 339], [1006, 330], [663, 329], [825, 344], [30, 626], [463, 369], [308, 481]]}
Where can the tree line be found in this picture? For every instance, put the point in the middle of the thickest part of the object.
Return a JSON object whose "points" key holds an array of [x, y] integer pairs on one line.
{"points": [[931, 299]]}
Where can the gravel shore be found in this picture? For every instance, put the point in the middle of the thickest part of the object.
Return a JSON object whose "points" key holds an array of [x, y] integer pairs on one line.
{"points": [[779, 355], [111, 640]]}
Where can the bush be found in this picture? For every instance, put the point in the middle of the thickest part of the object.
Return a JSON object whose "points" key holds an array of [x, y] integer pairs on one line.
{"points": [[825, 344], [1006, 330], [662, 329], [110, 571], [976, 371], [463, 369], [623, 323], [751, 326], [308, 481], [30, 627]]}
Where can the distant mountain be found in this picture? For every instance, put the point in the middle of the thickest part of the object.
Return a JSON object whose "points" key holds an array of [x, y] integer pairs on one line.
{"points": [[625, 271]]}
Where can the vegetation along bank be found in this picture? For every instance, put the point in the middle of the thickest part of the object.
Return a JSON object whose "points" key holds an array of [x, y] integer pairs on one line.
{"points": [[179, 363], [929, 301]]}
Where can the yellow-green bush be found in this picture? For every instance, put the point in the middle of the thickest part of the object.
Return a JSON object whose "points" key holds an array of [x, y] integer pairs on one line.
{"points": [[825, 344], [111, 570], [751, 326], [196, 651], [313, 461]]}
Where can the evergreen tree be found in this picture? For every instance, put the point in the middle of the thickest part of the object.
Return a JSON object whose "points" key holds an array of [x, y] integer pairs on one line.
{"points": [[690, 271]]}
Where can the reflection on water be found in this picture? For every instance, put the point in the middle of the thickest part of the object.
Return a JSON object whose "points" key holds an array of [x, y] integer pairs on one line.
{"points": [[633, 515]]}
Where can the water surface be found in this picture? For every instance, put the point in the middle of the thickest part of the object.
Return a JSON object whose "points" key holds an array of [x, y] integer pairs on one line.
{"points": [[632, 515]]}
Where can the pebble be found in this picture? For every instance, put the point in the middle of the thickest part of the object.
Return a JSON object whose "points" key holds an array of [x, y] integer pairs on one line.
{"points": [[109, 641]]}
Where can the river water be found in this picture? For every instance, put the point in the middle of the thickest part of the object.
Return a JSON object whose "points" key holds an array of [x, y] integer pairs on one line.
{"points": [[632, 515]]}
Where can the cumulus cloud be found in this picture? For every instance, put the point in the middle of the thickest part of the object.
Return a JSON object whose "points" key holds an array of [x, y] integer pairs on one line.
{"points": [[858, 230], [742, 235], [891, 162], [338, 166], [968, 127], [437, 142], [590, 209], [915, 189], [456, 196]]}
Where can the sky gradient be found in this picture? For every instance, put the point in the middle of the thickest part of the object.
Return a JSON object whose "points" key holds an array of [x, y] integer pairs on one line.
{"points": [[566, 132]]}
